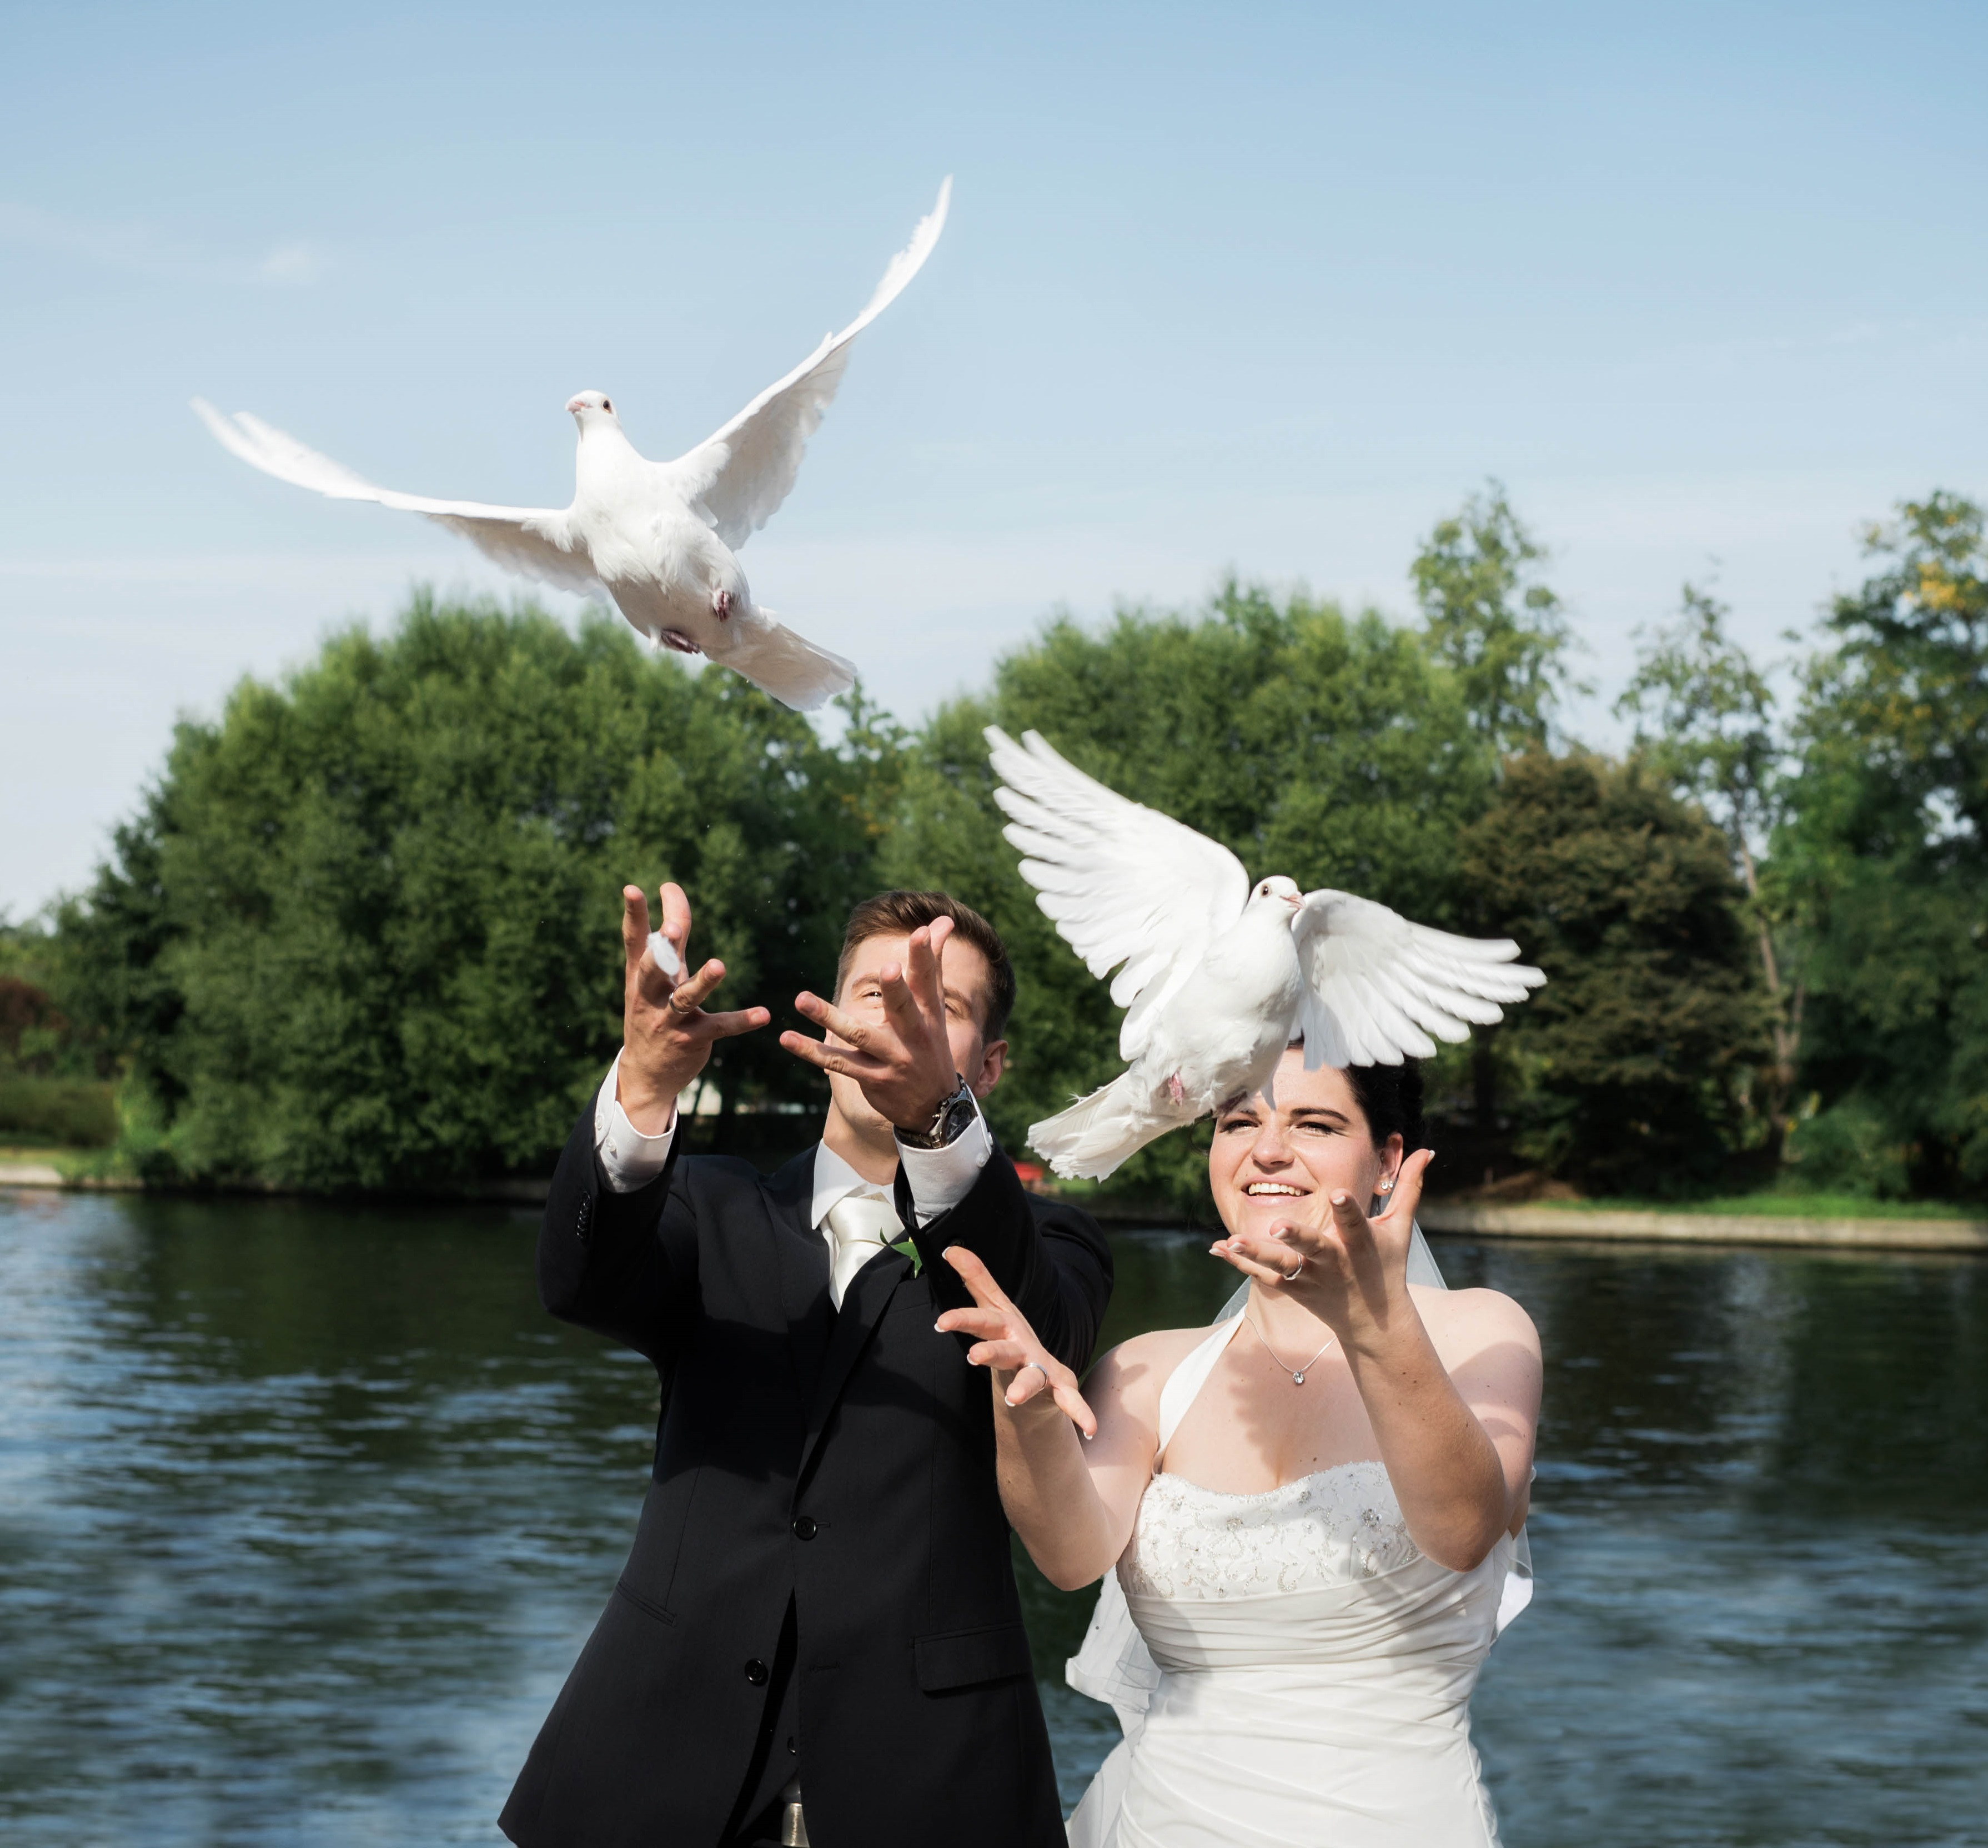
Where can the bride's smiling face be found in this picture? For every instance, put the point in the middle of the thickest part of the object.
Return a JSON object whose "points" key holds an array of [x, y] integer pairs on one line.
{"points": [[1265, 1165]]}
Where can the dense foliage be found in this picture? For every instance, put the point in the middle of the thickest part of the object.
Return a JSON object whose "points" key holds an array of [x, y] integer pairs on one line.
{"points": [[1632, 1058], [1882, 863], [362, 931]]}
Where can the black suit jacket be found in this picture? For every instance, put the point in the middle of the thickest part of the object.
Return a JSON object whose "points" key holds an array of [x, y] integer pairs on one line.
{"points": [[841, 1460]]}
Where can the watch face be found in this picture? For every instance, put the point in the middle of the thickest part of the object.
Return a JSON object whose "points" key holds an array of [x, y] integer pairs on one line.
{"points": [[957, 1113]]}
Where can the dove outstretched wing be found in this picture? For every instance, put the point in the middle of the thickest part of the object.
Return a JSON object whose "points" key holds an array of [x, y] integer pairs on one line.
{"points": [[740, 475], [1122, 882], [538, 541], [1378, 988]]}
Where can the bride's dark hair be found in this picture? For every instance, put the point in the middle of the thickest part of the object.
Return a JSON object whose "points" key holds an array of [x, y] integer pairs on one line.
{"points": [[1391, 1099]]}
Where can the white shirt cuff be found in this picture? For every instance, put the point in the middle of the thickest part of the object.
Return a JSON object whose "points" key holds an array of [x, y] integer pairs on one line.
{"points": [[628, 1159], [941, 1178]]}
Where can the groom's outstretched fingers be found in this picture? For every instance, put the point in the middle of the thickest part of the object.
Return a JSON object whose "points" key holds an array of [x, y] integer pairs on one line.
{"points": [[1006, 1343], [676, 916], [644, 975], [914, 995], [635, 933]]}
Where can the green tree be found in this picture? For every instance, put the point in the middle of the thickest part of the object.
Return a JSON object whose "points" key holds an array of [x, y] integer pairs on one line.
{"points": [[1489, 616], [1629, 1060], [363, 930], [1705, 725], [1883, 856], [1331, 748]]}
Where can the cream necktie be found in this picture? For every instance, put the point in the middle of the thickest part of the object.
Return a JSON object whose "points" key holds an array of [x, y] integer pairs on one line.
{"points": [[861, 1225]]}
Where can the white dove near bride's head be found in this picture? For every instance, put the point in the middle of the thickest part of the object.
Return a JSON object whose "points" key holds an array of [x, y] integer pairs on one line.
{"points": [[1217, 976], [659, 538]]}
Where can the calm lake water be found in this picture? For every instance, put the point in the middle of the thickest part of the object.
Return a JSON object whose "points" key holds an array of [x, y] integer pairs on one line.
{"points": [[304, 1512]]}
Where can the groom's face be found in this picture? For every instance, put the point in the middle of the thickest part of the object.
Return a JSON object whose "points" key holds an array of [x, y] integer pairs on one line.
{"points": [[968, 983]]}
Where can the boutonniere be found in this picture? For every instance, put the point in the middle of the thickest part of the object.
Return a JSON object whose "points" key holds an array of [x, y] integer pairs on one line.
{"points": [[909, 1247]]}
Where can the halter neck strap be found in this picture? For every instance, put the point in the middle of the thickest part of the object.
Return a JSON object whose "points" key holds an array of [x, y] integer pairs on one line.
{"points": [[1184, 1383]]}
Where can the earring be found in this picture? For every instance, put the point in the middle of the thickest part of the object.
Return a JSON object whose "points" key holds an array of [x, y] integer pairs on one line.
{"points": [[1387, 1186]]}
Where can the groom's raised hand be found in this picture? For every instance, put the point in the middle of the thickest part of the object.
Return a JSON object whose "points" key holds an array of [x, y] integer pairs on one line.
{"points": [[666, 1034], [903, 1060]]}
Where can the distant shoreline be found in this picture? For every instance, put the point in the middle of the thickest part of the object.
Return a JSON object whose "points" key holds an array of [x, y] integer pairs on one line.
{"points": [[1572, 1220], [1554, 1219]]}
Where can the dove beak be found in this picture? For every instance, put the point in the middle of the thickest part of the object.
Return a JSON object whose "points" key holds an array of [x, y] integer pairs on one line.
{"points": [[1294, 901], [575, 406]]}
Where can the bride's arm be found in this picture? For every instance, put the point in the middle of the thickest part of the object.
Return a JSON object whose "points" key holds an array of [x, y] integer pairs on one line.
{"points": [[1454, 1417], [1072, 1498]]}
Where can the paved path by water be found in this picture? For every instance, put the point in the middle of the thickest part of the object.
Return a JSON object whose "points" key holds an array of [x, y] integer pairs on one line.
{"points": [[1705, 1228]]}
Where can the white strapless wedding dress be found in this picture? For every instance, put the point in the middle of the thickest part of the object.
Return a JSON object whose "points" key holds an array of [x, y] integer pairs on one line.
{"points": [[1311, 1671]]}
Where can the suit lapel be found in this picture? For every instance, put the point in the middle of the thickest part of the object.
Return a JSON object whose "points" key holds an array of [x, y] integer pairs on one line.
{"points": [[804, 1273], [868, 1295]]}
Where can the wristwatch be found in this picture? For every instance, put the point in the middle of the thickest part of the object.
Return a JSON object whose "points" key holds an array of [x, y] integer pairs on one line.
{"points": [[949, 1122]]}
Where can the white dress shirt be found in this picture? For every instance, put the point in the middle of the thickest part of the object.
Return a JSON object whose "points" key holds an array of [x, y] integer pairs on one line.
{"points": [[939, 1178]]}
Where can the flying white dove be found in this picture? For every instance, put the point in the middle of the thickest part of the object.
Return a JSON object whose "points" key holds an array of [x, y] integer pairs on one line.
{"points": [[1219, 976], [657, 537]]}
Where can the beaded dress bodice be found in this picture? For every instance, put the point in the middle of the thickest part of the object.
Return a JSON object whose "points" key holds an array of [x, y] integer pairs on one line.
{"points": [[1324, 1529]]}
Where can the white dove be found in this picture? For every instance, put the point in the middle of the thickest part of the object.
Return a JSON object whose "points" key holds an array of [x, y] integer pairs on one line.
{"points": [[1220, 976], [657, 537]]}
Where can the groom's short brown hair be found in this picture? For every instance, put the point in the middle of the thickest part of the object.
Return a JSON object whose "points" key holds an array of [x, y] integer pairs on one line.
{"points": [[899, 913]]}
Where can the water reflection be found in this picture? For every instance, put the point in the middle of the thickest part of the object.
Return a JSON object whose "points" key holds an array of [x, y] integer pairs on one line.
{"points": [[304, 1513]]}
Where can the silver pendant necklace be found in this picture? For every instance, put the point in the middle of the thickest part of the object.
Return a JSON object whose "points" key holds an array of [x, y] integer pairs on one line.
{"points": [[1297, 1373]]}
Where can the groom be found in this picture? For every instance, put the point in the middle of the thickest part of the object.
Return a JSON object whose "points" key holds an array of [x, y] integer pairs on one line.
{"points": [[817, 1637]]}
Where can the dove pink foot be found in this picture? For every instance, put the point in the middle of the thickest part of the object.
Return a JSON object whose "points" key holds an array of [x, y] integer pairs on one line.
{"points": [[720, 603], [676, 639], [1176, 1092]]}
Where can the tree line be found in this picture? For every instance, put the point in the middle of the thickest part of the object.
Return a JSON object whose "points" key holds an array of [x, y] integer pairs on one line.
{"points": [[360, 932]]}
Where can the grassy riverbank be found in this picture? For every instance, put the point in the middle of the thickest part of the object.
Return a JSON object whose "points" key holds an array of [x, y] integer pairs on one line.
{"points": [[1777, 1204]]}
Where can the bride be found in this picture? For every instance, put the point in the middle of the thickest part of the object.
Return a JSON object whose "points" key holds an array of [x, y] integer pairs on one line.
{"points": [[1311, 1510]]}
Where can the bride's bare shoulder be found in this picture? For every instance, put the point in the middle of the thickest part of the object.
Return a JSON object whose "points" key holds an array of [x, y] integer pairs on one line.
{"points": [[1136, 1369], [1474, 1316]]}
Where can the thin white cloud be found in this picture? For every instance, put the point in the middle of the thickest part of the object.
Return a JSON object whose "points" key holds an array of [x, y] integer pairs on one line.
{"points": [[291, 263]]}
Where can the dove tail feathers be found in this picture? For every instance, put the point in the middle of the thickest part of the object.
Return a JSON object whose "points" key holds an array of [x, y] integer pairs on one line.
{"points": [[793, 669], [1091, 1138]]}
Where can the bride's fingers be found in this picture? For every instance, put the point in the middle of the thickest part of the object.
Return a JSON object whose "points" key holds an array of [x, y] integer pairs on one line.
{"points": [[989, 1324], [1003, 1356], [1076, 1409], [1034, 1374], [1313, 1243], [979, 1280], [1279, 1254], [1407, 1196], [1349, 1218], [1226, 1249]]}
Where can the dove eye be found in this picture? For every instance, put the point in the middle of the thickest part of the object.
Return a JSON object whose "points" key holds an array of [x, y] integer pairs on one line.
{"points": [[605, 405]]}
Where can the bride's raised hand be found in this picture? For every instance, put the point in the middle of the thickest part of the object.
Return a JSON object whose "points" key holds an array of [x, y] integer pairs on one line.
{"points": [[1350, 1271], [1006, 1345]]}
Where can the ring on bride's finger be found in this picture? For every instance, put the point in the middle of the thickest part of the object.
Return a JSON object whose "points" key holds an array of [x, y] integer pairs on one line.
{"points": [[1293, 1276], [1039, 1368]]}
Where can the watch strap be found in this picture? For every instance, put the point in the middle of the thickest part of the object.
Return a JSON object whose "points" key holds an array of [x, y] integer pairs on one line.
{"points": [[949, 1122]]}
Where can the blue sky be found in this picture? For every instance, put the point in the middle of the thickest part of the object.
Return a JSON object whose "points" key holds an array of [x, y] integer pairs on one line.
{"points": [[1267, 289]]}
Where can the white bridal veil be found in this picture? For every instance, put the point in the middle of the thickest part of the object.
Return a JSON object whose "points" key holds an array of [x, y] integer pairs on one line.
{"points": [[1115, 1666]]}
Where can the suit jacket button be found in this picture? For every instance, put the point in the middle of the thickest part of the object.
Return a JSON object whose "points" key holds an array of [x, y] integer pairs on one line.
{"points": [[805, 1527], [756, 1672]]}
